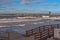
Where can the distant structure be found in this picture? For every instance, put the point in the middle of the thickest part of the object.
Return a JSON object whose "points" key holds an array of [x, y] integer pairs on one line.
{"points": [[49, 12]]}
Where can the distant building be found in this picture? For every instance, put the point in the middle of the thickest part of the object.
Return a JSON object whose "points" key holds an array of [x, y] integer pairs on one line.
{"points": [[45, 17]]}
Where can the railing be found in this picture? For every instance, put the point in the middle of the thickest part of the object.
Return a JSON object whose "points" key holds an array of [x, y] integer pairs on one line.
{"points": [[4, 35], [44, 32], [57, 26]]}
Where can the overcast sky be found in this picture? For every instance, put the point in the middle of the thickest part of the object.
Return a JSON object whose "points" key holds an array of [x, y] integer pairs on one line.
{"points": [[29, 6]]}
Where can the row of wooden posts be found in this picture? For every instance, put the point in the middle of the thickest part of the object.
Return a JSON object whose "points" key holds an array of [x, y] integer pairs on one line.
{"points": [[40, 33], [44, 32]]}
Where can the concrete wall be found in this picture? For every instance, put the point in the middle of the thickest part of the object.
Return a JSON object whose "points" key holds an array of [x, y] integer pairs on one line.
{"points": [[14, 36], [57, 33]]}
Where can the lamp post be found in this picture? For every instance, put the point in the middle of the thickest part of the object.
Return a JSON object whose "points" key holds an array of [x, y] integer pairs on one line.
{"points": [[49, 16], [49, 13]]}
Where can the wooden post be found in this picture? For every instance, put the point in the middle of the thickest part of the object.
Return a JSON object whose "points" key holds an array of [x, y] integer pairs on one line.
{"points": [[44, 33], [58, 26], [8, 36]]}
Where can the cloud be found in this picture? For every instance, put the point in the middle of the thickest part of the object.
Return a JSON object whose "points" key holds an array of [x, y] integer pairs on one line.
{"points": [[28, 2], [46, 4], [55, 4], [5, 2], [10, 10], [24, 2], [2, 7], [37, 1]]}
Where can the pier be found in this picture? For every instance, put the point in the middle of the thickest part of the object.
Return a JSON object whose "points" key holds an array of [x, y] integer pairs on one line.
{"points": [[38, 31]]}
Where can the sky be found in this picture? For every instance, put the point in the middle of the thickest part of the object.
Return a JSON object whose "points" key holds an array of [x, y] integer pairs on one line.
{"points": [[29, 6]]}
